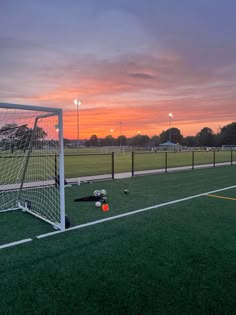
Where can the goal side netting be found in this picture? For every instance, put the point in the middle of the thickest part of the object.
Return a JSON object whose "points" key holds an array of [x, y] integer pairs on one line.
{"points": [[32, 162]]}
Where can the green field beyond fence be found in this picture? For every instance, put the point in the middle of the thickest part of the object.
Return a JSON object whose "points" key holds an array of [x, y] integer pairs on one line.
{"points": [[83, 162], [77, 165]]}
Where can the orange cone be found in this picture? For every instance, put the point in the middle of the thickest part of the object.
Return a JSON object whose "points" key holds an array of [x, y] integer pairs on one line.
{"points": [[105, 207]]}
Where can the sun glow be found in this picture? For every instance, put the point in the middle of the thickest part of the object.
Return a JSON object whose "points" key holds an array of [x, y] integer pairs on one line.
{"points": [[107, 121]]}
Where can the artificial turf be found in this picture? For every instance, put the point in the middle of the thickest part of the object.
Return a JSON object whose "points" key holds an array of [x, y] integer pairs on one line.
{"points": [[144, 191], [179, 259]]}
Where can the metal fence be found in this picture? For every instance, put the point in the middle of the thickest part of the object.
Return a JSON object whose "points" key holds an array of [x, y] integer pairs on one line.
{"points": [[129, 164], [114, 165]]}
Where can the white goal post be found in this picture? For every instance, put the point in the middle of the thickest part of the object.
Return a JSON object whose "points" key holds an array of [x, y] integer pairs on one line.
{"points": [[32, 162]]}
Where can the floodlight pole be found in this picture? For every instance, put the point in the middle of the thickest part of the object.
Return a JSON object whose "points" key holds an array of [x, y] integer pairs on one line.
{"points": [[170, 116], [111, 130], [77, 103]]}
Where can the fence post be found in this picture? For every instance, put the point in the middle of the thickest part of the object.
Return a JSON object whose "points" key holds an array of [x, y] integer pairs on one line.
{"points": [[214, 158], [192, 160], [166, 162], [132, 164], [112, 165]]}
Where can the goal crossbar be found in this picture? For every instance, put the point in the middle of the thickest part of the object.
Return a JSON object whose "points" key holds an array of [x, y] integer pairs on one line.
{"points": [[31, 107]]}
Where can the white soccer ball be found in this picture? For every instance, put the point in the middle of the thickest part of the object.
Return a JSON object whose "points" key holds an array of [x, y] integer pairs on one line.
{"points": [[103, 192], [98, 204], [96, 193]]}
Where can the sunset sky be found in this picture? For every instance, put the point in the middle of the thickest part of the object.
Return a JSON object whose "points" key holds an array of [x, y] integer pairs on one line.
{"points": [[130, 62]]}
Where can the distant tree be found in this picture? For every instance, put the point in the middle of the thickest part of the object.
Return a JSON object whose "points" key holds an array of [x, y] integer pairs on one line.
{"points": [[140, 141], [93, 141], [20, 137], [228, 134], [8, 131], [217, 140], [121, 141], [155, 141], [108, 141], [40, 134], [30, 136], [190, 141], [176, 136], [205, 137], [164, 136]]}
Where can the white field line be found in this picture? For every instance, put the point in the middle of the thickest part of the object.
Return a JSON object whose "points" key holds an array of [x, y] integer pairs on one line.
{"points": [[16, 243], [133, 212]]}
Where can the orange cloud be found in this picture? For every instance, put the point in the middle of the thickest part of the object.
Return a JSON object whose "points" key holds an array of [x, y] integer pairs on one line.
{"points": [[135, 93], [150, 120]]}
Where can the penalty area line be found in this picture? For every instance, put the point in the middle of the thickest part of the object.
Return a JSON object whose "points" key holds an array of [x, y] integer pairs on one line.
{"points": [[80, 226], [222, 197]]}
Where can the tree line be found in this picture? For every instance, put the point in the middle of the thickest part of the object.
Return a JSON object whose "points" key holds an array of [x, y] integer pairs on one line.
{"points": [[14, 137], [19, 137], [205, 137]]}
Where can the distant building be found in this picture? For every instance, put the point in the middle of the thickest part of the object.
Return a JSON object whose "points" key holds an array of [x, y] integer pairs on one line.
{"points": [[170, 146]]}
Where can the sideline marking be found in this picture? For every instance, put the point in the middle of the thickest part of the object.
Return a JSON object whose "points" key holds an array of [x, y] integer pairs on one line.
{"points": [[221, 197], [132, 212], [16, 243], [115, 217]]}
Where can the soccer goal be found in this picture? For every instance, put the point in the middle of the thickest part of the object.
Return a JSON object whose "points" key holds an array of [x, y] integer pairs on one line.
{"points": [[32, 162]]}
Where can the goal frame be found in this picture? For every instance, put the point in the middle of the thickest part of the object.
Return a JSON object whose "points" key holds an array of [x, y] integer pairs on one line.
{"points": [[51, 112]]}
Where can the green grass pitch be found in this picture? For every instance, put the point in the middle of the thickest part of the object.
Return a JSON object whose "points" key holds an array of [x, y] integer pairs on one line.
{"points": [[176, 259]]}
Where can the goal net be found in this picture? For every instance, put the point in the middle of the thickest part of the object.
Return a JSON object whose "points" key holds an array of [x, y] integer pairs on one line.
{"points": [[32, 162]]}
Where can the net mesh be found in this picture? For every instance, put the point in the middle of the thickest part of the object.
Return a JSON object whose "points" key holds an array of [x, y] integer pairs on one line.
{"points": [[29, 163]]}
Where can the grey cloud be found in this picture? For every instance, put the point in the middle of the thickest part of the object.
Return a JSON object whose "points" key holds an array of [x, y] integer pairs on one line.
{"points": [[142, 76]]}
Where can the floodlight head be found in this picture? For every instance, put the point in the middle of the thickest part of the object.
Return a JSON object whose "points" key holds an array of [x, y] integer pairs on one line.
{"points": [[77, 102], [170, 115]]}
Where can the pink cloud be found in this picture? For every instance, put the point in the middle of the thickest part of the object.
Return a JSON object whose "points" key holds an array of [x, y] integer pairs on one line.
{"points": [[138, 92]]}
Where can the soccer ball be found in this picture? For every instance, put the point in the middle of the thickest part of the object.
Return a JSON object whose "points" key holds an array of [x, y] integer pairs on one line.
{"points": [[126, 192], [103, 192], [98, 204], [104, 200], [96, 193]]}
